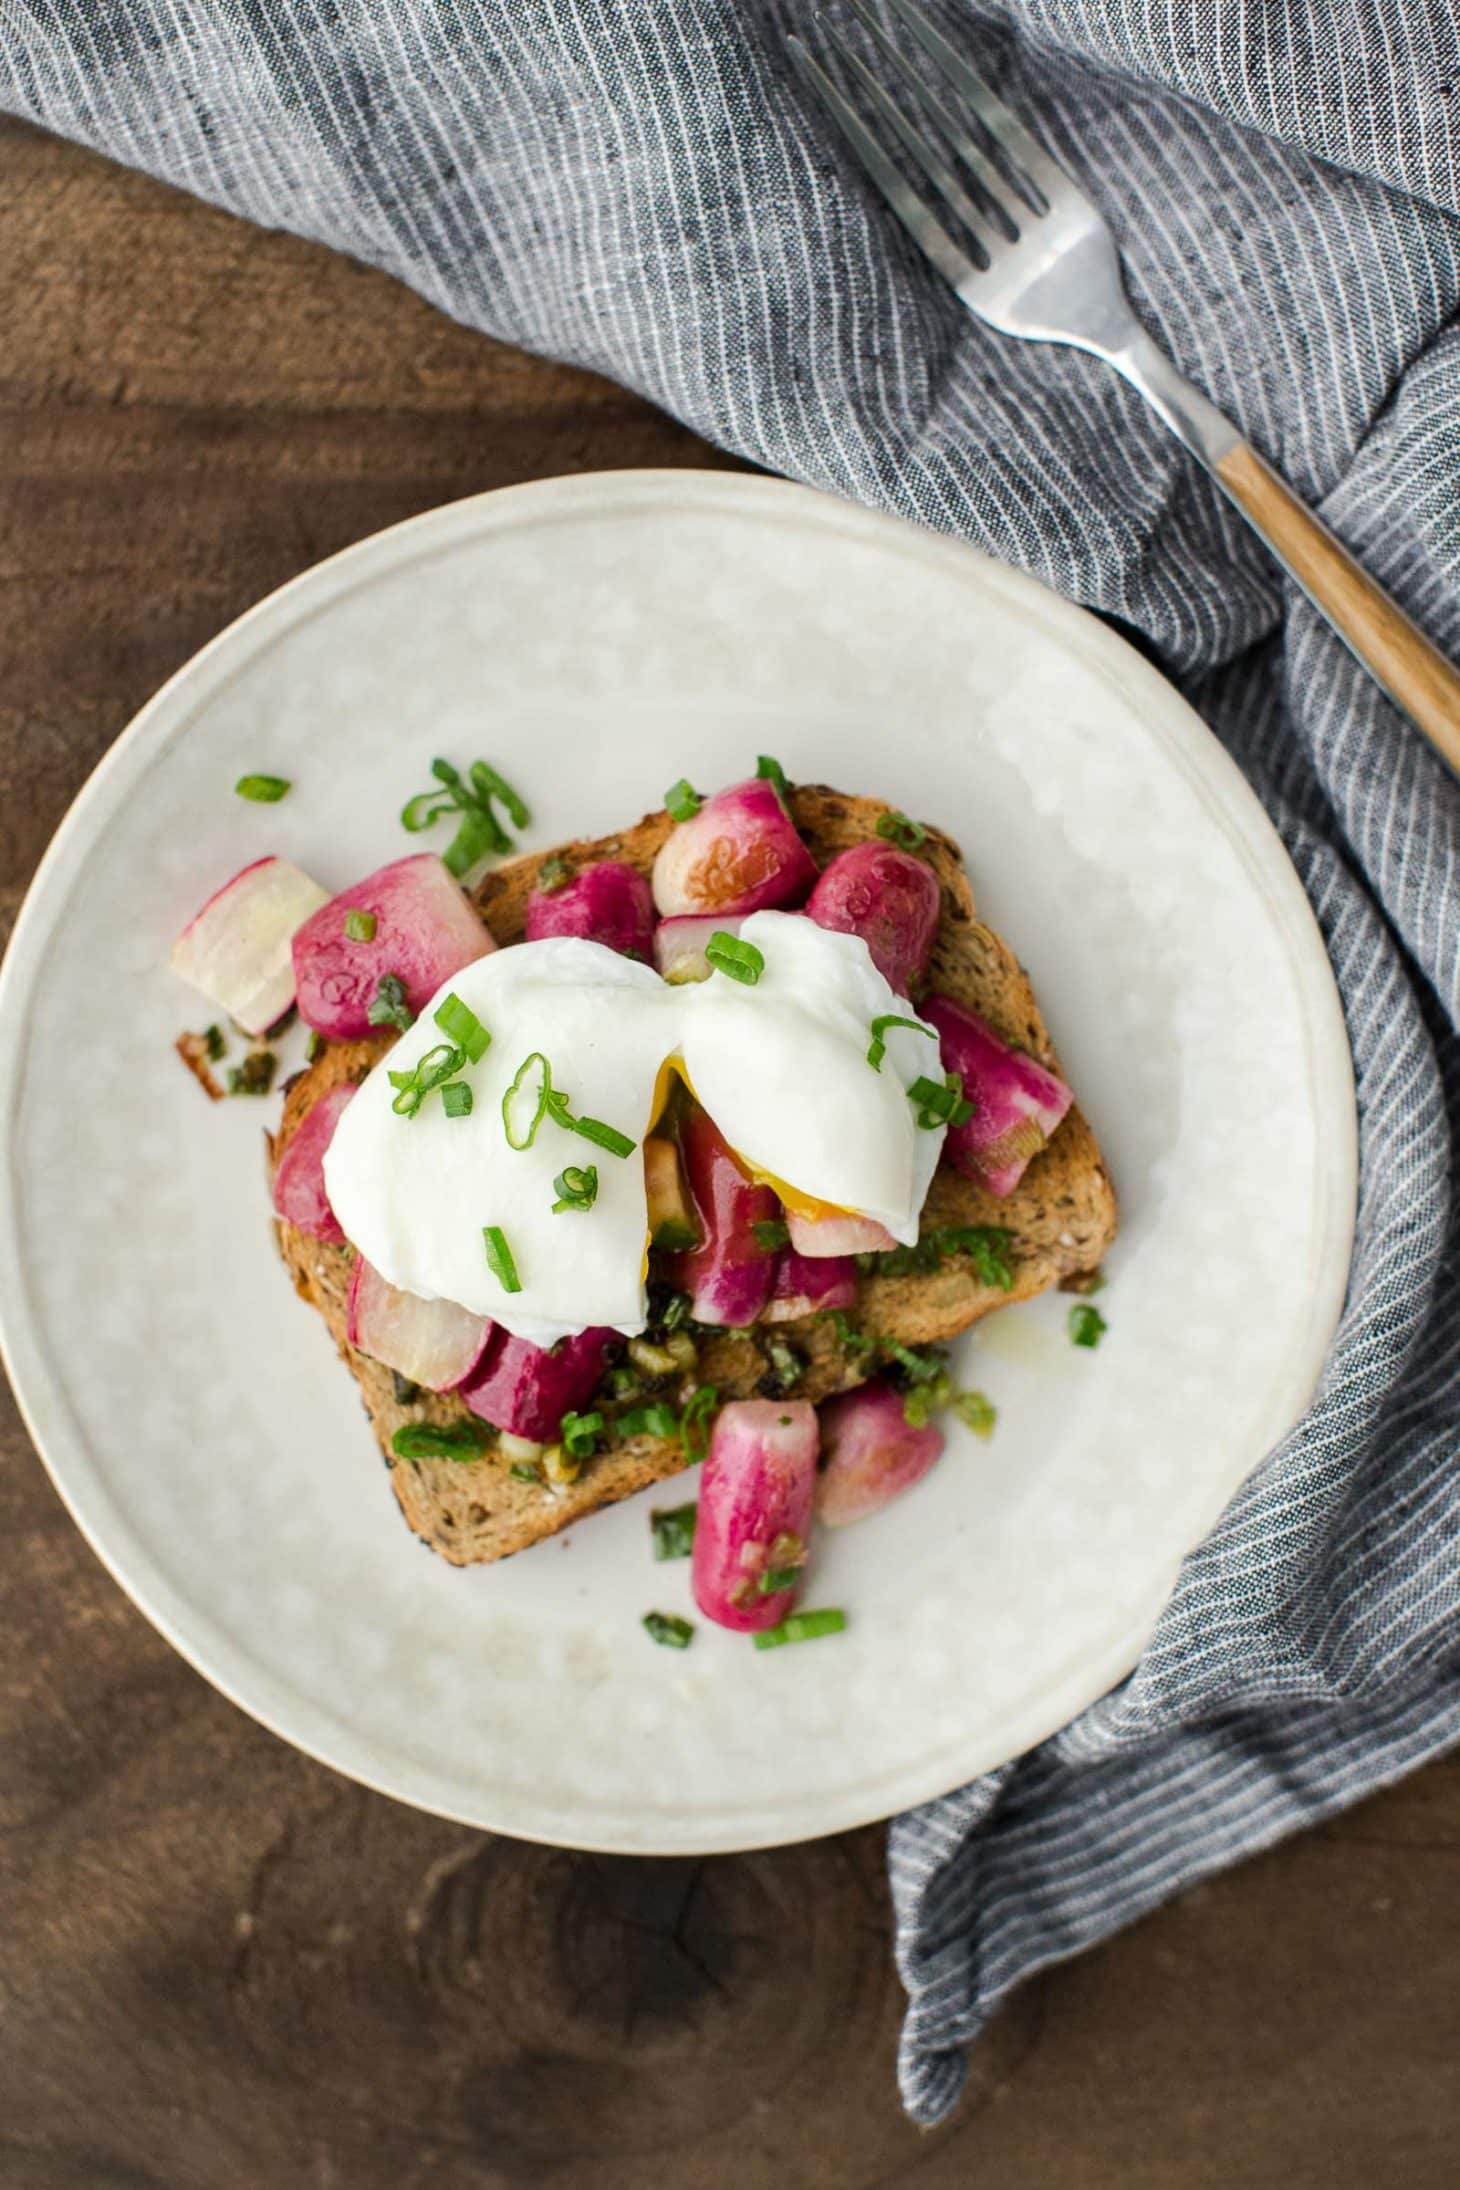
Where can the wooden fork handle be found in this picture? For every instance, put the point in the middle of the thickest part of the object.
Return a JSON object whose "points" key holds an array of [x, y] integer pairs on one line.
{"points": [[1396, 652]]}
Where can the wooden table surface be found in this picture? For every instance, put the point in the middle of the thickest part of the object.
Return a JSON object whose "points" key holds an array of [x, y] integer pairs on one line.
{"points": [[222, 1967]]}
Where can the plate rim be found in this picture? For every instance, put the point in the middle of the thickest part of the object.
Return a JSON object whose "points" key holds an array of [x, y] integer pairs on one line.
{"points": [[1230, 803]]}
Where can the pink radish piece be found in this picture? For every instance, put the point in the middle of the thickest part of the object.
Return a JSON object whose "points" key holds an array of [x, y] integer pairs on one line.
{"points": [[888, 898], [1017, 1103], [236, 950], [728, 1276], [424, 932], [299, 1193], [757, 1493], [679, 944], [527, 1389], [433, 1342], [871, 1453], [738, 854], [805, 1285], [610, 903], [840, 1233]]}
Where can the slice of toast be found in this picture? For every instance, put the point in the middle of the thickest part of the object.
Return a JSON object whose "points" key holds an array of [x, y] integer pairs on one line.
{"points": [[1061, 1218]]}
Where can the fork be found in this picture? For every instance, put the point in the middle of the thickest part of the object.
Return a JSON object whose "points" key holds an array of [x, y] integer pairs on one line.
{"points": [[1030, 255]]}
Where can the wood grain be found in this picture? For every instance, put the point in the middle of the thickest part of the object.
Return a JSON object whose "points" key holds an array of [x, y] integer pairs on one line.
{"points": [[222, 1967], [1413, 672]]}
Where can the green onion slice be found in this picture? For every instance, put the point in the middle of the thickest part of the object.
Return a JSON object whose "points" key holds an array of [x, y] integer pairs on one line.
{"points": [[777, 1578], [880, 1025], [490, 785], [576, 1187], [694, 1423], [667, 1628], [978, 1411], [801, 1627], [771, 1233], [388, 1006], [462, 1026], [588, 1129], [771, 771], [854, 1340], [551, 875], [430, 1441], [525, 1472], [682, 799], [580, 1434], [673, 1531], [656, 1420], [908, 836], [359, 925], [1087, 1325], [525, 1104], [499, 1258], [940, 1105], [263, 790], [740, 960], [456, 1099]]}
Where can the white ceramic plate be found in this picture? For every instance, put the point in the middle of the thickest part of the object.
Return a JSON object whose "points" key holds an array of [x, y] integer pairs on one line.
{"points": [[598, 637]]}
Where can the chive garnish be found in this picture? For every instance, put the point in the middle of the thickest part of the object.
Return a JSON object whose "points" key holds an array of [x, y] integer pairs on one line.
{"points": [[694, 1423], [674, 1312], [853, 1340], [655, 1420], [771, 771], [255, 1076], [214, 1043], [880, 1025], [588, 1129], [923, 1368], [682, 799], [740, 960], [940, 1105], [1087, 1325], [673, 1531], [785, 1367], [771, 1233], [580, 1434], [525, 1472], [576, 1187], [480, 831], [432, 1441], [524, 1106], [359, 926], [499, 1258], [777, 1578], [667, 1628], [986, 1245], [456, 1099], [551, 875], [388, 1006], [908, 836], [263, 790], [801, 1627], [431, 1071], [490, 785], [977, 1411], [462, 1026]]}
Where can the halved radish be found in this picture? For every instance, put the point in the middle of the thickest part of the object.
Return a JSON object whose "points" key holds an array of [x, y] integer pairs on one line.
{"points": [[728, 1276], [528, 1389], [1017, 1102], [236, 950], [840, 1232], [433, 1342], [739, 853], [299, 1190], [679, 944], [757, 1494], [419, 928], [871, 1453], [888, 898], [806, 1285], [610, 903]]}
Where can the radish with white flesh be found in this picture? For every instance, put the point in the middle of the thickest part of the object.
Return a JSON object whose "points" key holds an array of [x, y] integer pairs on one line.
{"points": [[299, 1190], [528, 1389], [728, 1276], [753, 1520], [672, 1221], [237, 949], [807, 1285], [738, 854], [839, 1232], [418, 927], [610, 903], [888, 898], [871, 1453], [679, 944], [433, 1342], [1017, 1102]]}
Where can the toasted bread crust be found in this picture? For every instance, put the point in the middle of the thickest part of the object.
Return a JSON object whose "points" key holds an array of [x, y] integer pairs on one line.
{"points": [[1062, 1217]]}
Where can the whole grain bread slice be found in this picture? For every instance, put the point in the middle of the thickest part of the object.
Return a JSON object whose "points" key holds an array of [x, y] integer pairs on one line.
{"points": [[1061, 1220]]}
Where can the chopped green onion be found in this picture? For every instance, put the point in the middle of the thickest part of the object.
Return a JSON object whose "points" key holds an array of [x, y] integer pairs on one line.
{"points": [[786, 1367], [588, 1129], [255, 1076], [430, 1441], [694, 1433], [674, 1312], [945, 1105], [667, 1628], [740, 960], [878, 1049], [431, 1071], [771, 771], [214, 1043], [656, 1420], [499, 1258], [576, 1187], [978, 1412], [525, 1472], [463, 1026], [771, 1233], [314, 1048], [388, 1006], [480, 831], [580, 1434], [622, 1380], [359, 926], [419, 812], [525, 1104], [551, 875], [1087, 1325], [908, 836], [479, 834], [777, 1578], [923, 1368], [854, 1341], [801, 1627], [263, 790], [490, 785], [673, 1531], [682, 800], [456, 1099], [986, 1245]]}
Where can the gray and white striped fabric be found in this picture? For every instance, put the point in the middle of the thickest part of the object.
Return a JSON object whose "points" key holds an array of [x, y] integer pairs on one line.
{"points": [[646, 189]]}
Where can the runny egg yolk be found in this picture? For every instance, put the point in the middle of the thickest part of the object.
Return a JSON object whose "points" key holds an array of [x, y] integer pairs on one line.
{"points": [[803, 1205]]}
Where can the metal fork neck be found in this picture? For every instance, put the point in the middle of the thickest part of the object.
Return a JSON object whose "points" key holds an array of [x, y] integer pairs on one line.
{"points": [[1185, 409]]}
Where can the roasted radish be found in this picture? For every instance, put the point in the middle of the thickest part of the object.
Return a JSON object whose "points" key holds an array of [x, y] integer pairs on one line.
{"points": [[679, 944], [528, 1389], [839, 1232], [299, 1190], [806, 1285], [433, 1342], [610, 903], [237, 949], [888, 898], [408, 926], [757, 1493], [1017, 1102], [871, 1453], [728, 1276], [739, 853]]}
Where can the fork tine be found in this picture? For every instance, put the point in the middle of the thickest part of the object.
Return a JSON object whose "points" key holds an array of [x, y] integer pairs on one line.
{"points": [[1043, 176], [926, 230], [992, 186]]}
